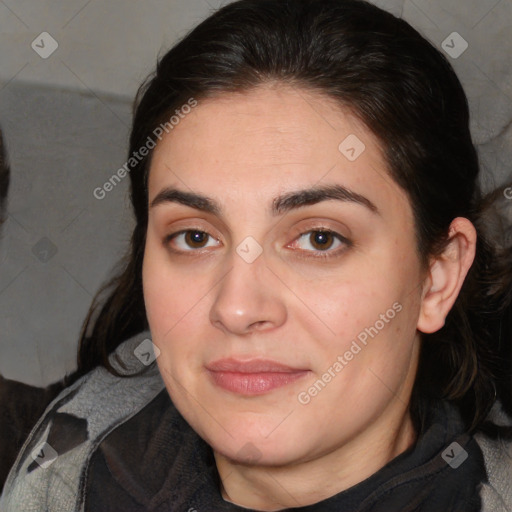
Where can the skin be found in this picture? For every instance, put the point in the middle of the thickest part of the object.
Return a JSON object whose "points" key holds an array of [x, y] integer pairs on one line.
{"points": [[204, 302]]}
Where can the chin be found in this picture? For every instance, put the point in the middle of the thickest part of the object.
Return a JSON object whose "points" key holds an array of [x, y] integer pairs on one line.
{"points": [[248, 446]]}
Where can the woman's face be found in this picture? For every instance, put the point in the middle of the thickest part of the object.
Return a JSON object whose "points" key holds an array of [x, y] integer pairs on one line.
{"points": [[281, 277]]}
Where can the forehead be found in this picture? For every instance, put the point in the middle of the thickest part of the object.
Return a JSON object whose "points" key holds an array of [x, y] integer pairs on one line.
{"points": [[266, 141]]}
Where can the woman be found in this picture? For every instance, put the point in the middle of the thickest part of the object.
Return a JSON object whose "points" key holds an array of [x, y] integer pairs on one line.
{"points": [[310, 315]]}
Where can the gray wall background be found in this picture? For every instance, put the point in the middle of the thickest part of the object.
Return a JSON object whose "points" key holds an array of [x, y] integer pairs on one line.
{"points": [[66, 121]]}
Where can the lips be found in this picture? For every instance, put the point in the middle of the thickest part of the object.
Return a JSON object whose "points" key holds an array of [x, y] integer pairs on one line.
{"points": [[252, 366], [254, 377]]}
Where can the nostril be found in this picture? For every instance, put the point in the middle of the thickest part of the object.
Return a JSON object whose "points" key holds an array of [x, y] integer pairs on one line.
{"points": [[260, 324]]}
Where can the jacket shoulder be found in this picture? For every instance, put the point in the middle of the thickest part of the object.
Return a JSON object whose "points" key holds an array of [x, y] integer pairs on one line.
{"points": [[496, 494], [57, 453]]}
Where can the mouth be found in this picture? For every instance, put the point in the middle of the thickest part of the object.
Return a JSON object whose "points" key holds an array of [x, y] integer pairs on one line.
{"points": [[255, 377]]}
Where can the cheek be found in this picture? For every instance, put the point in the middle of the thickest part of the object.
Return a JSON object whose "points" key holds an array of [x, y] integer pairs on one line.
{"points": [[170, 294], [170, 312], [368, 316], [177, 300], [348, 302], [171, 302]]}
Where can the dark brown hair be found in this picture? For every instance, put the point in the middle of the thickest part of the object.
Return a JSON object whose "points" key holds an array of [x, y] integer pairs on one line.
{"points": [[406, 92], [4, 178]]}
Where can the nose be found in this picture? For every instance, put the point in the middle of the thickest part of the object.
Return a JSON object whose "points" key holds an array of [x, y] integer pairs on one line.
{"points": [[248, 299]]}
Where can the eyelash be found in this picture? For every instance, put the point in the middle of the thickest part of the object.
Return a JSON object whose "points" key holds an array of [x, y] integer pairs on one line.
{"points": [[318, 254]]}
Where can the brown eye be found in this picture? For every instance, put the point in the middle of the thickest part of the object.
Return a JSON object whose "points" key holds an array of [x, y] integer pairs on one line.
{"points": [[187, 240], [321, 243], [196, 239], [321, 240]]}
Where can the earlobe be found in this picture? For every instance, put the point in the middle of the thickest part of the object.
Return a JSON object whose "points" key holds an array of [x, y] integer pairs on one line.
{"points": [[446, 276]]}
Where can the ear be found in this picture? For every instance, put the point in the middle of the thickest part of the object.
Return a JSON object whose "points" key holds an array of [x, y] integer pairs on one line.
{"points": [[446, 275]]}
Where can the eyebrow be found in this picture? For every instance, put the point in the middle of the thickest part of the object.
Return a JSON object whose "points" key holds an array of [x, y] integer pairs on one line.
{"points": [[280, 205]]}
